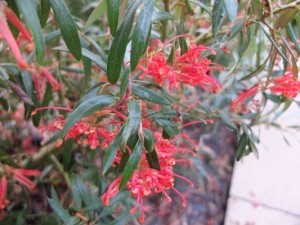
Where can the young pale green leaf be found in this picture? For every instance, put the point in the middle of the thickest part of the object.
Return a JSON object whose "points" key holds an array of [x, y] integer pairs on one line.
{"points": [[293, 37], [217, 16], [140, 33], [231, 7], [88, 54], [118, 47], [59, 210], [44, 11], [113, 14], [97, 13], [28, 9], [227, 120], [67, 27], [169, 127], [241, 146], [111, 151], [149, 95], [201, 5], [272, 41], [164, 114], [85, 109], [131, 164], [161, 16], [133, 121]]}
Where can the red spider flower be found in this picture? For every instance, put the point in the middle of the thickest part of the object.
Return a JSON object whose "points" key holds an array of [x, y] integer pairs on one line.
{"points": [[287, 85], [21, 175], [146, 180], [5, 32], [3, 191], [237, 105]]}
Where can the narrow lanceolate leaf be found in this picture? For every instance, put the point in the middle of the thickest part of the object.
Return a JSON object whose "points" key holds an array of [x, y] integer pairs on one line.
{"points": [[67, 27], [241, 146], [131, 164], [201, 5], [59, 210], [149, 95], [164, 114], [97, 13], [88, 54], [217, 16], [294, 61], [148, 140], [124, 81], [44, 11], [227, 120], [28, 9], [111, 151], [118, 47], [169, 127], [161, 16], [272, 41], [293, 37], [140, 33], [113, 14], [182, 42], [231, 7], [133, 121], [85, 109]]}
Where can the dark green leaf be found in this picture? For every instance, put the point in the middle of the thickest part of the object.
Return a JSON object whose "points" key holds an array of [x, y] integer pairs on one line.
{"points": [[201, 5], [124, 81], [85, 109], [182, 42], [133, 121], [164, 114], [85, 192], [28, 9], [44, 12], [273, 98], [189, 8], [292, 35], [161, 16], [113, 14], [3, 78], [74, 220], [132, 164], [140, 33], [67, 154], [169, 127], [217, 16], [148, 140], [59, 210], [4, 103], [149, 95], [67, 27], [90, 55], [118, 47], [153, 160], [111, 151], [231, 7], [241, 146], [76, 192]]}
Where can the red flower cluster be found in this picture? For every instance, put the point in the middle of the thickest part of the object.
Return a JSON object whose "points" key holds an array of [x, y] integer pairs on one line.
{"points": [[146, 180], [237, 105], [287, 85], [19, 175], [188, 68]]}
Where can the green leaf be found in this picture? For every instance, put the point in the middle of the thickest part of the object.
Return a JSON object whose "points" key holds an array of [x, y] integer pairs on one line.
{"points": [[164, 114], [67, 154], [74, 220], [122, 219], [231, 7], [96, 13], [67, 27], [201, 5], [148, 140], [83, 189], [217, 16], [113, 14], [118, 47], [274, 98], [169, 127], [76, 192], [124, 81], [253, 149], [149, 95], [111, 151], [284, 18], [272, 41], [258, 8], [133, 121], [241, 146], [294, 61], [59, 210], [293, 37], [44, 12], [131, 164], [28, 9], [153, 160], [182, 42], [140, 33], [227, 120], [161, 16], [3, 78], [85, 109], [88, 54], [4, 103]]}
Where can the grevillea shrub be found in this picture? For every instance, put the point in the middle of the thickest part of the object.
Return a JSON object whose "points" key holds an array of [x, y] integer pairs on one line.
{"points": [[96, 95]]}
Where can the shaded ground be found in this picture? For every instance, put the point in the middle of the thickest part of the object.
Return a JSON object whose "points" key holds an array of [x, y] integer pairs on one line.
{"points": [[211, 174]]}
